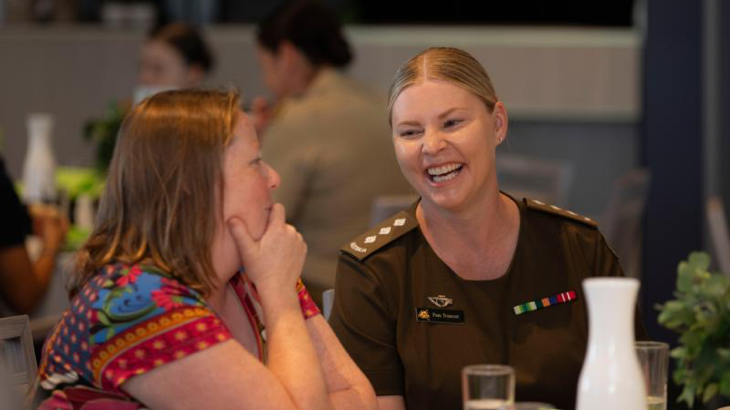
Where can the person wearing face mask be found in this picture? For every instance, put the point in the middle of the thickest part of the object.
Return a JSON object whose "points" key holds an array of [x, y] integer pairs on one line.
{"points": [[328, 136], [449, 282], [174, 56], [187, 292]]}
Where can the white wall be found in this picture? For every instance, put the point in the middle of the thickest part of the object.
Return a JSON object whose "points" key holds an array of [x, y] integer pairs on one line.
{"points": [[572, 93]]}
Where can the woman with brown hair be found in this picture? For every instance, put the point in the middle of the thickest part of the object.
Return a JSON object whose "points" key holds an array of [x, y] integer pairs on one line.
{"points": [[188, 261]]}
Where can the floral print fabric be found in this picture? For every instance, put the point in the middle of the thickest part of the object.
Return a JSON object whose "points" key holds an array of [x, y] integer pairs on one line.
{"points": [[126, 321]]}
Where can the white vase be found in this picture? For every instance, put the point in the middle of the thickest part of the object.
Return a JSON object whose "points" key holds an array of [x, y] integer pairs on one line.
{"points": [[611, 377], [39, 169]]}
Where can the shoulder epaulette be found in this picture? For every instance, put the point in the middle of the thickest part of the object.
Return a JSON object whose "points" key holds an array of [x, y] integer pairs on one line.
{"points": [[552, 209], [379, 236]]}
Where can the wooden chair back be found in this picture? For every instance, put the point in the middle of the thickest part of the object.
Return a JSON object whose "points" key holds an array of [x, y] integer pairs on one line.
{"points": [[16, 352]]}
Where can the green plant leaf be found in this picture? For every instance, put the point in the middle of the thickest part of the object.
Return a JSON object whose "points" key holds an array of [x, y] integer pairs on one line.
{"points": [[687, 396], [710, 392], [699, 260], [715, 286], [678, 352], [684, 277], [725, 385]]}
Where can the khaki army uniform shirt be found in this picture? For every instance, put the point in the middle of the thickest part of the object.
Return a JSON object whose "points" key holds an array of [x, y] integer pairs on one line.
{"points": [[412, 324], [333, 148]]}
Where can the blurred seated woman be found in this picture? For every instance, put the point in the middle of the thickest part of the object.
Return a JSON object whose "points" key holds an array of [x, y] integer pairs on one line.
{"points": [[329, 137], [447, 282], [174, 56], [189, 261], [24, 281]]}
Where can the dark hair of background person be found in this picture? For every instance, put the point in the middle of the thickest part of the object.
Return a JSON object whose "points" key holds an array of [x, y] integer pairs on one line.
{"points": [[311, 27], [187, 40]]}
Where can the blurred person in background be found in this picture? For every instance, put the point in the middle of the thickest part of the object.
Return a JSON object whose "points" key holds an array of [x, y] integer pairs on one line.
{"points": [[189, 262], [23, 282], [327, 135], [174, 56]]}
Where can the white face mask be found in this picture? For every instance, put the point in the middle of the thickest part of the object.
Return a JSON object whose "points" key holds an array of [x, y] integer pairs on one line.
{"points": [[143, 91]]}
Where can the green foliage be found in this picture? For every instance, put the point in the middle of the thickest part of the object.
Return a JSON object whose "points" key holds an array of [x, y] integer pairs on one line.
{"points": [[701, 315], [103, 132]]}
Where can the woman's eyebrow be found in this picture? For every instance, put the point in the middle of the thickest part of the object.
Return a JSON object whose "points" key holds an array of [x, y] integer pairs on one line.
{"points": [[449, 111], [411, 123]]}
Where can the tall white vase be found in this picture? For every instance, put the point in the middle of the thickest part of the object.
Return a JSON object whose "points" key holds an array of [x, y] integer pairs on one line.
{"points": [[611, 377], [39, 169]]}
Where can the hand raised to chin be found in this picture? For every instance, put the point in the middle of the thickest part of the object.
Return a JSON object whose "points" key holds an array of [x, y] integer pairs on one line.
{"points": [[275, 260]]}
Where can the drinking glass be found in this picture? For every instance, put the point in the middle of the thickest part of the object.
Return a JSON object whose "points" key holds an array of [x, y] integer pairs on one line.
{"points": [[488, 386], [654, 360]]}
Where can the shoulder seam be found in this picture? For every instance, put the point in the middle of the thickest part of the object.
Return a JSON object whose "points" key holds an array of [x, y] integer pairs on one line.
{"points": [[536, 205]]}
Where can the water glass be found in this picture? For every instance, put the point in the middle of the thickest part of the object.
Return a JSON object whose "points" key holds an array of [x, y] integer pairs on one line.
{"points": [[654, 360], [488, 386]]}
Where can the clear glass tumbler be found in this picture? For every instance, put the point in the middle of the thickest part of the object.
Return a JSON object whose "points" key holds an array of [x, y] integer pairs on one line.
{"points": [[654, 361], [488, 386]]}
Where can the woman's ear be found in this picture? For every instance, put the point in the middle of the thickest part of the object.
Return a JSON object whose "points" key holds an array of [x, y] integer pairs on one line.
{"points": [[288, 55], [295, 69], [501, 122]]}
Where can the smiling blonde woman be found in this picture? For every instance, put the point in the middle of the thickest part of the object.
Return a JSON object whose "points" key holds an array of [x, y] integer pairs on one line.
{"points": [[468, 274]]}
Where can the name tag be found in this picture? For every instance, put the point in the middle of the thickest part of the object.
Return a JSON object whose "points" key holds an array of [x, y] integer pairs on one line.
{"points": [[440, 316]]}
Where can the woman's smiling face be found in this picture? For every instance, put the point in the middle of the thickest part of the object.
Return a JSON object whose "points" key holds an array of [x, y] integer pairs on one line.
{"points": [[445, 138]]}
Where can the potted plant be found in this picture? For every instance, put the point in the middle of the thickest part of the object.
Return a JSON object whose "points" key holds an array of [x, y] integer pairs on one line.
{"points": [[103, 132], [701, 315]]}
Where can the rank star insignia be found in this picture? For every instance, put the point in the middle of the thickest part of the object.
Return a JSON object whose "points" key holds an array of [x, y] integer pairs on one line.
{"points": [[441, 300]]}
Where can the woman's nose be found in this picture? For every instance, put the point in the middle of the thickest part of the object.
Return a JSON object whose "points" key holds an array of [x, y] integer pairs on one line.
{"points": [[433, 142], [273, 176]]}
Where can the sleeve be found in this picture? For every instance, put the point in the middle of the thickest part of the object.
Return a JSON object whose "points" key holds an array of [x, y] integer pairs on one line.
{"points": [[366, 326], [15, 219], [606, 263], [143, 320], [306, 303], [294, 161]]}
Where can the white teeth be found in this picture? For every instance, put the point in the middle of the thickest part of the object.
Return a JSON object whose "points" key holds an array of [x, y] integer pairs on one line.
{"points": [[443, 169], [445, 172], [447, 177]]}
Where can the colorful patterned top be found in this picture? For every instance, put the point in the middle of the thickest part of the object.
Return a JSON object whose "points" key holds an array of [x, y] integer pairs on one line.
{"points": [[126, 321]]}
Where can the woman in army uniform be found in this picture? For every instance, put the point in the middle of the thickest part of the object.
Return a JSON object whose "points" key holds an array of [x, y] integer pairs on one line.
{"points": [[468, 274]]}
